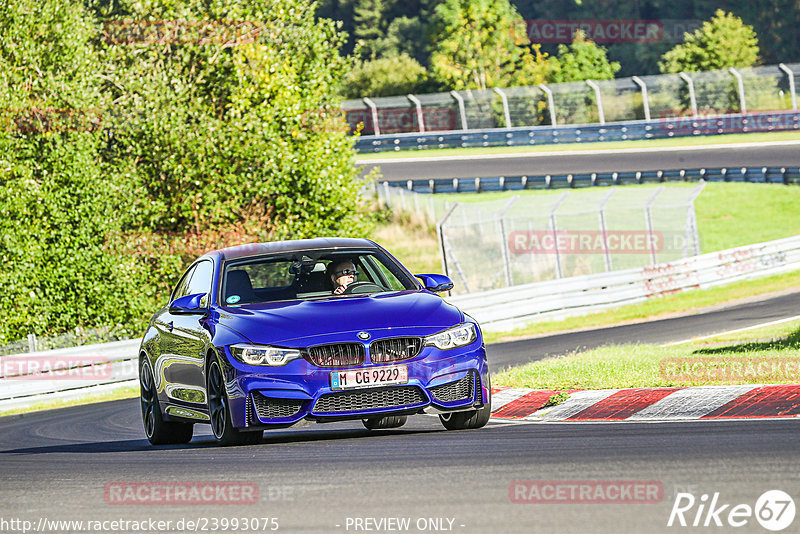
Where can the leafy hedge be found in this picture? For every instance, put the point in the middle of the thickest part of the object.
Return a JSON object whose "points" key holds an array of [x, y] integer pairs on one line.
{"points": [[135, 138]]}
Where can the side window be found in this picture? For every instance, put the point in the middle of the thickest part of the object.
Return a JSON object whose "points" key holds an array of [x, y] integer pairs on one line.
{"points": [[201, 279], [385, 274], [181, 289]]}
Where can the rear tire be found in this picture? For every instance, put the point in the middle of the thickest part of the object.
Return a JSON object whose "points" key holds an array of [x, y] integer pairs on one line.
{"points": [[220, 414], [158, 431], [389, 421], [470, 419]]}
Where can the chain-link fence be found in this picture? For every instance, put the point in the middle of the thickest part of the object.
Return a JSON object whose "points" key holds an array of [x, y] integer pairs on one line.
{"points": [[524, 239], [756, 89], [79, 336]]}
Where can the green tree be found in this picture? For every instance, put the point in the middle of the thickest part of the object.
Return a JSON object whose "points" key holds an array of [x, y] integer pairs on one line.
{"points": [[369, 17], [58, 198], [388, 76], [135, 137], [581, 60], [722, 42], [480, 44]]}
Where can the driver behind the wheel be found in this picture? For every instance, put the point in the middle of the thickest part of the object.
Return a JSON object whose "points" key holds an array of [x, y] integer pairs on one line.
{"points": [[342, 273]]}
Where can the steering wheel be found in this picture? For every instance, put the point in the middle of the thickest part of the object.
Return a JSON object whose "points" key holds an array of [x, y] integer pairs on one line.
{"points": [[357, 288]]}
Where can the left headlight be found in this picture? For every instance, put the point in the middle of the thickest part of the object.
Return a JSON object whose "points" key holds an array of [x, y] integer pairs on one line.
{"points": [[264, 355], [458, 336]]}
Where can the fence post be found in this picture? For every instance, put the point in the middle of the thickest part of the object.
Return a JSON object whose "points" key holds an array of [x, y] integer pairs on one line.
{"points": [[599, 98], [604, 230], [645, 102], [790, 74], [692, 100], [461, 109], [418, 104], [504, 242], [374, 109], [506, 114], [554, 229], [551, 106], [32, 344], [740, 84], [649, 220], [440, 235]]}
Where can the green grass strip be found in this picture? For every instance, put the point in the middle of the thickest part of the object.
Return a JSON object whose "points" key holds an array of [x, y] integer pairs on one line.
{"points": [[766, 355]]}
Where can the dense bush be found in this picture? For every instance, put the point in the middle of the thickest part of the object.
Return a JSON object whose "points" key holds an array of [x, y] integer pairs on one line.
{"points": [[135, 138]]}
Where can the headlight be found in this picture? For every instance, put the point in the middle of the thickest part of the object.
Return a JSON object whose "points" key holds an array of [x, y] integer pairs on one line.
{"points": [[452, 338], [264, 355]]}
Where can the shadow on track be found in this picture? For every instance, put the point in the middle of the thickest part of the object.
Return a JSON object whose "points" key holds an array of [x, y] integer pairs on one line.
{"points": [[207, 441]]}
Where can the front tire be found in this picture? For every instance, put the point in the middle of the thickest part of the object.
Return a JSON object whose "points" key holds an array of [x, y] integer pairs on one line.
{"points": [[158, 431], [220, 414], [470, 419]]}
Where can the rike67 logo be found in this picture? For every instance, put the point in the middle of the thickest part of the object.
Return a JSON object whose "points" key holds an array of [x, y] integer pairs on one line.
{"points": [[774, 510]]}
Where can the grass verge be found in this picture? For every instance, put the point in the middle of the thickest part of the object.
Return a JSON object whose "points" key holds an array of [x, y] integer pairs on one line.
{"points": [[127, 392], [765, 356], [678, 303], [726, 139]]}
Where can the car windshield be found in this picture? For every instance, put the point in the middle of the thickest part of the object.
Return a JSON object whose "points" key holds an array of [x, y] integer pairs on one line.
{"points": [[303, 275]]}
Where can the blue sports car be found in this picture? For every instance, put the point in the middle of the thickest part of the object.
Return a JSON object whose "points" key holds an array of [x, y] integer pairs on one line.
{"points": [[266, 335]]}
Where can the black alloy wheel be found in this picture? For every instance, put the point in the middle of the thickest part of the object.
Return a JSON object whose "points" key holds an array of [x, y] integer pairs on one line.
{"points": [[220, 414], [158, 431]]}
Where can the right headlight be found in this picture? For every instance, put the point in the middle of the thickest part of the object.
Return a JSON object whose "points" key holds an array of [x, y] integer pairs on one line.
{"points": [[452, 338], [264, 355]]}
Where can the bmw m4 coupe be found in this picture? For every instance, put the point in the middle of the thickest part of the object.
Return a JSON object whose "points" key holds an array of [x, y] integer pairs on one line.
{"points": [[267, 335]]}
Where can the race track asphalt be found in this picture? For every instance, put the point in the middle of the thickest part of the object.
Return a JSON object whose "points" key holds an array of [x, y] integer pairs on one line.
{"points": [[754, 155], [57, 464]]}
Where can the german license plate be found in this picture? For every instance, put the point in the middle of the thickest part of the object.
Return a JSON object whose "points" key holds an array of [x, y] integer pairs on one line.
{"points": [[362, 378]]}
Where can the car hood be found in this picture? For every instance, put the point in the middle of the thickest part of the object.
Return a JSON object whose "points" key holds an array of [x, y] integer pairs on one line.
{"points": [[285, 322]]}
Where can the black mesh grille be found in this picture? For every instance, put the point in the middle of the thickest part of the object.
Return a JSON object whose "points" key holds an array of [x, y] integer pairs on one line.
{"points": [[337, 355], [248, 413], [395, 349], [455, 391], [268, 408], [368, 399], [478, 389]]}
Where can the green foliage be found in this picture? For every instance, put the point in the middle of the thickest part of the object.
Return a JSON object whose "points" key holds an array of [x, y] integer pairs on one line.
{"points": [[385, 77], [480, 44], [722, 42], [136, 136], [581, 60]]}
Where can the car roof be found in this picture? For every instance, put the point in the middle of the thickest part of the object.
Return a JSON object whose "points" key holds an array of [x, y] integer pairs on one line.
{"points": [[257, 249]]}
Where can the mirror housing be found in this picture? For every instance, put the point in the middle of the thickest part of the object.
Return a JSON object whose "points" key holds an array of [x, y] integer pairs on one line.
{"points": [[438, 283], [189, 304]]}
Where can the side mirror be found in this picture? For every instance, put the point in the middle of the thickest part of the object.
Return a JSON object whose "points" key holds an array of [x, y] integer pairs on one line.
{"points": [[437, 283], [189, 304]]}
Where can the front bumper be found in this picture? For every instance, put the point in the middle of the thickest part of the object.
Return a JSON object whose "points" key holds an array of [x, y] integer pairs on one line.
{"points": [[442, 381]]}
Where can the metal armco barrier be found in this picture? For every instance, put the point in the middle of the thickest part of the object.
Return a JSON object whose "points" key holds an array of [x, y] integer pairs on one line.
{"points": [[768, 175], [512, 307], [589, 133], [73, 372]]}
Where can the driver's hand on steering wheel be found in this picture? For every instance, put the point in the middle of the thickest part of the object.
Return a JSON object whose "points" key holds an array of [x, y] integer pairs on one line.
{"points": [[339, 289]]}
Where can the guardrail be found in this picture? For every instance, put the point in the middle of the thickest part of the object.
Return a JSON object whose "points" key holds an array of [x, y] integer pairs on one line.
{"points": [[63, 374], [587, 133], [516, 306], [763, 175]]}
